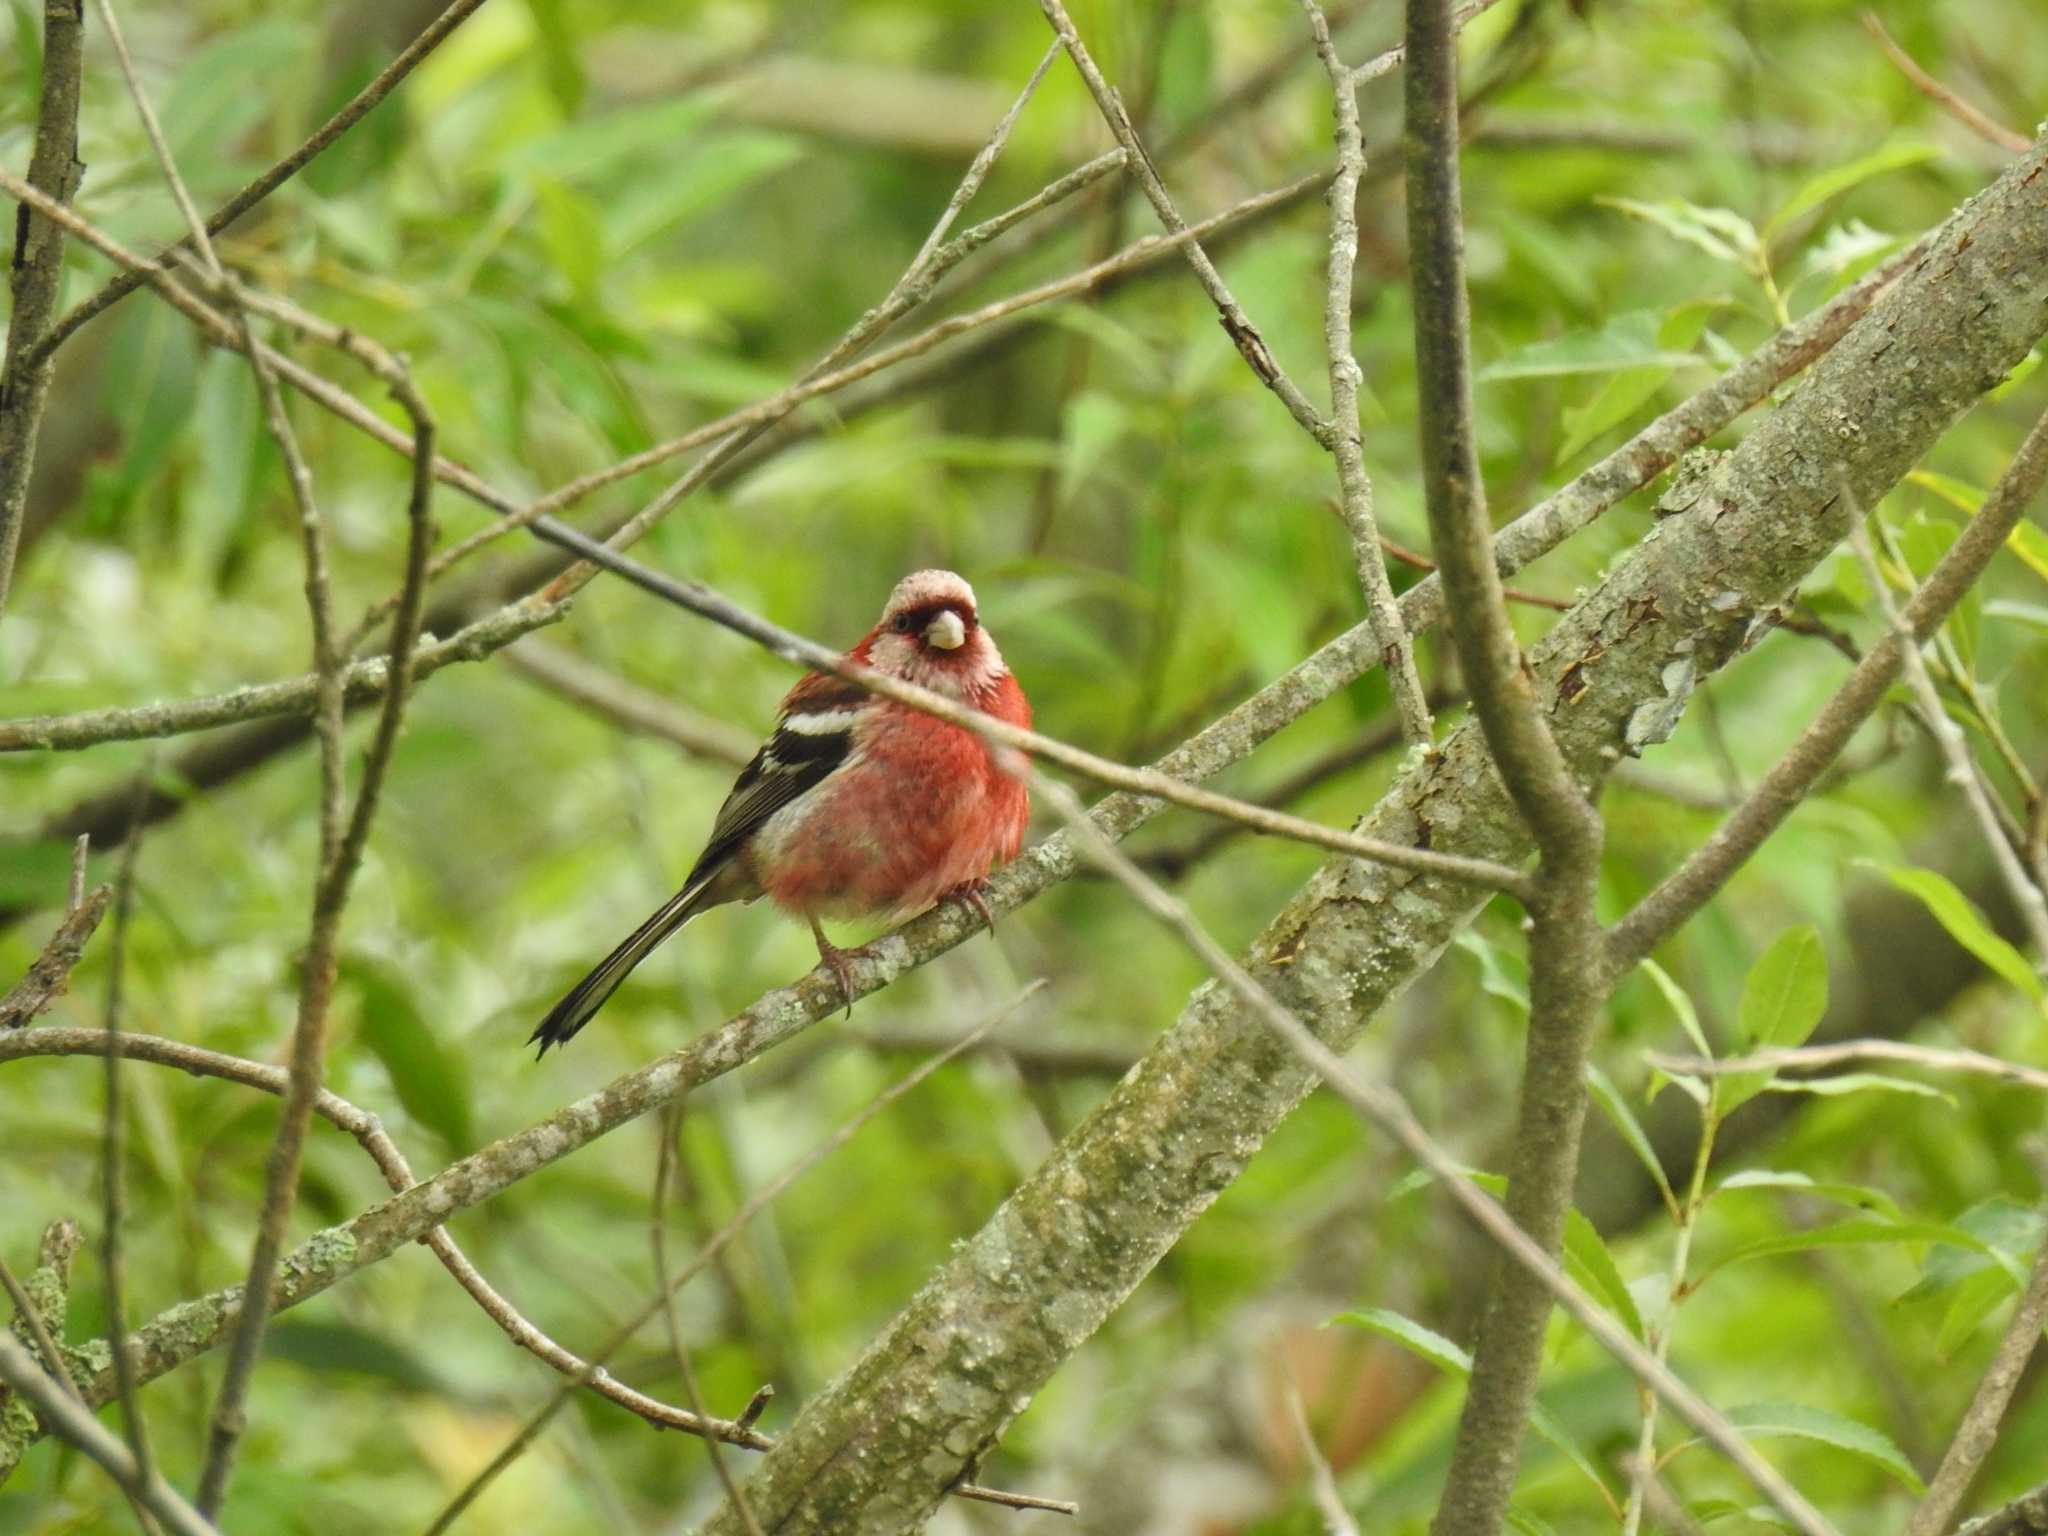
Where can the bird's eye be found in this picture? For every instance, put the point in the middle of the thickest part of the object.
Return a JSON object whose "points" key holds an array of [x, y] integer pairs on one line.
{"points": [[903, 624]]}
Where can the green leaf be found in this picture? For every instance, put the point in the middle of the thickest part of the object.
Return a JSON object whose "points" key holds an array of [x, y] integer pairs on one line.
{"points": [[1997, 1232], [1858, 1082], [1681, 1005], [1503, 974], [1804, 1422], [429, 1080], [1965, 924], [1975, 1299], [1859, 1196], [1847, 1234], [1624, 1121], [1959, 494], [1787, 990], [1442, 1353], [2030, 544], [1829, 184], [1782, 1001], [1627, 341], [1720, 232], [1593, 1266]]}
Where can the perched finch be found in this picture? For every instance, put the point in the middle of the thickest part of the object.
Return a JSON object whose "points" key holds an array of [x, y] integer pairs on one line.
{"points": [[857, 806]]}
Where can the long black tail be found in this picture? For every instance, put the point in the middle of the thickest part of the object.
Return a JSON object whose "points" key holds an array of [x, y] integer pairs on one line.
{"points": [[589, 994]]}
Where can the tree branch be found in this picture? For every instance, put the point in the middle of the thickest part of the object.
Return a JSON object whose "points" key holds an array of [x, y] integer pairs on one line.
{"points": [[1347, 445], [36, 274]]}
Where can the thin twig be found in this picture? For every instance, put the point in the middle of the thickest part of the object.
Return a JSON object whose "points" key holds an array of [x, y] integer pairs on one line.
{"points": [[50, 972], [627, 704], [668, 1132], [1784, 788], [1955, 751], [1985, 127], [37, 271], [1385, 1108], [351, 112], [2026, 1515], [1807, 1058], [361, 681], [1978, 1432], [716, 1243], [700, 599], [1337, 1519], [1236, 323], [114, 1167], [73, 1422], [1566, 995], [1416, 560], [1347, 443]]}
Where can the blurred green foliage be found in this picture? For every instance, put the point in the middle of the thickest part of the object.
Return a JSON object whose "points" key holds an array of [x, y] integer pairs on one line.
{"points": [[592, 227]]}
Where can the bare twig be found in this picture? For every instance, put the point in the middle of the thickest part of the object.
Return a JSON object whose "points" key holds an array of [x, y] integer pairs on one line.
{"points": [[50, 972], [1347, 445], [1978, 1432], [1785, 787], [1985, 127], [1955, 751], [1565, 992], [1236, 323], [716, 1243], [2026, 1515], [664, 1171], [114, 1174], [702, 600], [1337, 1519], [1807, 1058], [1385, 1108], [1416, 560], [361, 681], [74, 1422], [37, 271], [628, 705], [352, 112]]}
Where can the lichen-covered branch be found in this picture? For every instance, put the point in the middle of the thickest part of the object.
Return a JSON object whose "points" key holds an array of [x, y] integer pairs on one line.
{"points": [[935, 1390]]}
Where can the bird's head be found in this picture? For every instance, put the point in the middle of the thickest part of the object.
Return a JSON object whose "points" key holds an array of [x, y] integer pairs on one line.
{"points": [[929, 635]]}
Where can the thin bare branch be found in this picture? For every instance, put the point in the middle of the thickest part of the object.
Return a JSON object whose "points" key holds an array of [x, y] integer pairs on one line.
{"points": [[37, 272], [2026, 1515], [361, 682], [1813, 1058], [352, 112], [1236, 323], [1955, 750], [1978, 1432], [1347, 443], [702, 600], [628, 705], [1984, 126], [1785, 787], [50, 972], [1337, 1519], [71, 1420]]}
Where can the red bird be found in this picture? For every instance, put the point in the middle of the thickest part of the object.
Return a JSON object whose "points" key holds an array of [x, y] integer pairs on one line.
{"points": [[857, 806]]}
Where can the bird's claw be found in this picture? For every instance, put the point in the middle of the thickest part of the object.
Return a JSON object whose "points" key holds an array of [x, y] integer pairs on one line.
{"points": [[971, 896], [840, 963]]}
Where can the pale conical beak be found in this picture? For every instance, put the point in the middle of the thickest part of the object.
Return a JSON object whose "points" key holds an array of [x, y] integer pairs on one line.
{"points": [[946, 631]]}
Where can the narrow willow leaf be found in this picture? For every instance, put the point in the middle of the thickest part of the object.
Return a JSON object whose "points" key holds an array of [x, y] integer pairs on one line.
{"points": [[1965, 924]]}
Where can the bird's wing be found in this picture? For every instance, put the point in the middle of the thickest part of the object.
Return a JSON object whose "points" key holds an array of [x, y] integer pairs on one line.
{"points": [[813, 738]]}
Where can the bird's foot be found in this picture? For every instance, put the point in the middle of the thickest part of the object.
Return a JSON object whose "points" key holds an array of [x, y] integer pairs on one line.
{"points": [[971, 895], [840, 963]]}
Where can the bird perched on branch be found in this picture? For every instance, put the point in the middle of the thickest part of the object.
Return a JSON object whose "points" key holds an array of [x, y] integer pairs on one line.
{"points": [[856, 806]]}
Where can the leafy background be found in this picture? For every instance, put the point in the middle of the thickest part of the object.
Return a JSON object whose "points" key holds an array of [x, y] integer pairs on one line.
{"points": [[591, 227]]}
